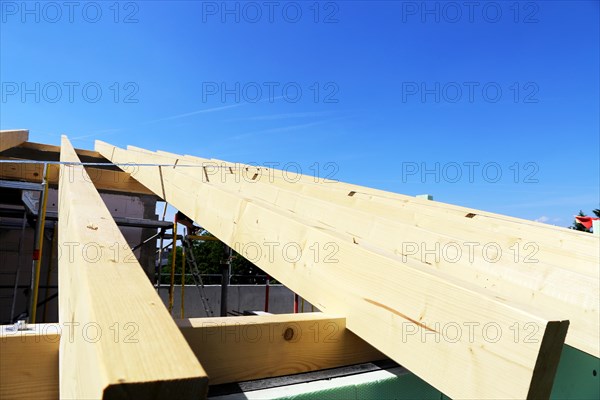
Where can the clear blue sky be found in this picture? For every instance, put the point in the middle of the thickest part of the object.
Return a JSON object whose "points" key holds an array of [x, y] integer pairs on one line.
{"points": [[387, 89]]}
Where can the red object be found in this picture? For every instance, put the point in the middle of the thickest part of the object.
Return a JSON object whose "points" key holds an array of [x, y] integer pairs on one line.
{"points": [[267, 294], [585, 221], [295, 303], [36, 254]]}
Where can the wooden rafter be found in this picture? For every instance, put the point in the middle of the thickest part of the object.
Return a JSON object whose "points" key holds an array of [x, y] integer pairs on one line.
{"points": [[10, 139], [569, 249], [383, 298], [542, 276], [123, 343]]}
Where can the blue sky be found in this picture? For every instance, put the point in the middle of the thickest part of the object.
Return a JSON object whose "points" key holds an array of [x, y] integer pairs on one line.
{"points": [[383, 90]]}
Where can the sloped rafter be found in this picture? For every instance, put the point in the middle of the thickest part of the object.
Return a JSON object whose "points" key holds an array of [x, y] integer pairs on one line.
{"points": [[552, 280], [569, 249], [122, 343], [401, 308]]}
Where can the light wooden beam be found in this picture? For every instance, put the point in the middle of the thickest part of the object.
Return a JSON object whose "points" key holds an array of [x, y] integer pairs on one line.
{"points": [[48, 148], [234, 349], [404, 309], [29, 362], [9, 139], [566, 248], [544, 277], [104, 179], [231, 349], [124, 344]]}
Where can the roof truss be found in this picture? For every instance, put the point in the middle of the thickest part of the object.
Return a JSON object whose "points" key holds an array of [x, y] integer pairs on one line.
{"points": [[381, 296]]}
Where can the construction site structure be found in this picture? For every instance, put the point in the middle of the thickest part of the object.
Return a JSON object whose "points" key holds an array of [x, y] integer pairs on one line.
{"points": [[417, 298]]}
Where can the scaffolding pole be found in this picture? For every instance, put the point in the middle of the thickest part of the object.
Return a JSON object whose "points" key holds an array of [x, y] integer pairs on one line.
{"points": [[183, 280], [173, 259], [37, 251], [160, 250]]}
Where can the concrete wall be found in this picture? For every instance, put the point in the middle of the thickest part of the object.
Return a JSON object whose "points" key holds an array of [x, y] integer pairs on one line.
{"points": [[240, 298]]}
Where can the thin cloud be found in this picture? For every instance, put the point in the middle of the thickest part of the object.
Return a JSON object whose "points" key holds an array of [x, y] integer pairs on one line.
{"points": [[574, 201], [287, 116], [203, 111], [104, 132], [211, 110], [283, 129]]}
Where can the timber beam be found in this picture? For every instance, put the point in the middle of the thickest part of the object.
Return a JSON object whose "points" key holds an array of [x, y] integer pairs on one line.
{"points": [[549, 276], [232, 349], [105, 180], [125, 344], [401, 307], [10, 139], [235, 349], [29, 362], [48, 152]]}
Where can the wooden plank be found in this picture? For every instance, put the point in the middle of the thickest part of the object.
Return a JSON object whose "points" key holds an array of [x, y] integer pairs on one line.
{"points": [[575, 251], [241, 348], [9, 139], [559, 244], [385, 300], [539, 281], [104, 179], [48, 148], [125, 345], [572, 250], [234, 349], [29, 362], [47, 152]]}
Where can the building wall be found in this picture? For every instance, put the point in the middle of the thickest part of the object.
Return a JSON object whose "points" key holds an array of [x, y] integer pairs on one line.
{"points": [[118, 205], [240, 298]]}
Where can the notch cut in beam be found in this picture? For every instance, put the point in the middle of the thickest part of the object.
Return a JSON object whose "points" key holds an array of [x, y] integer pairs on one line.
{"points": [[234, 349], [108, 290]]}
